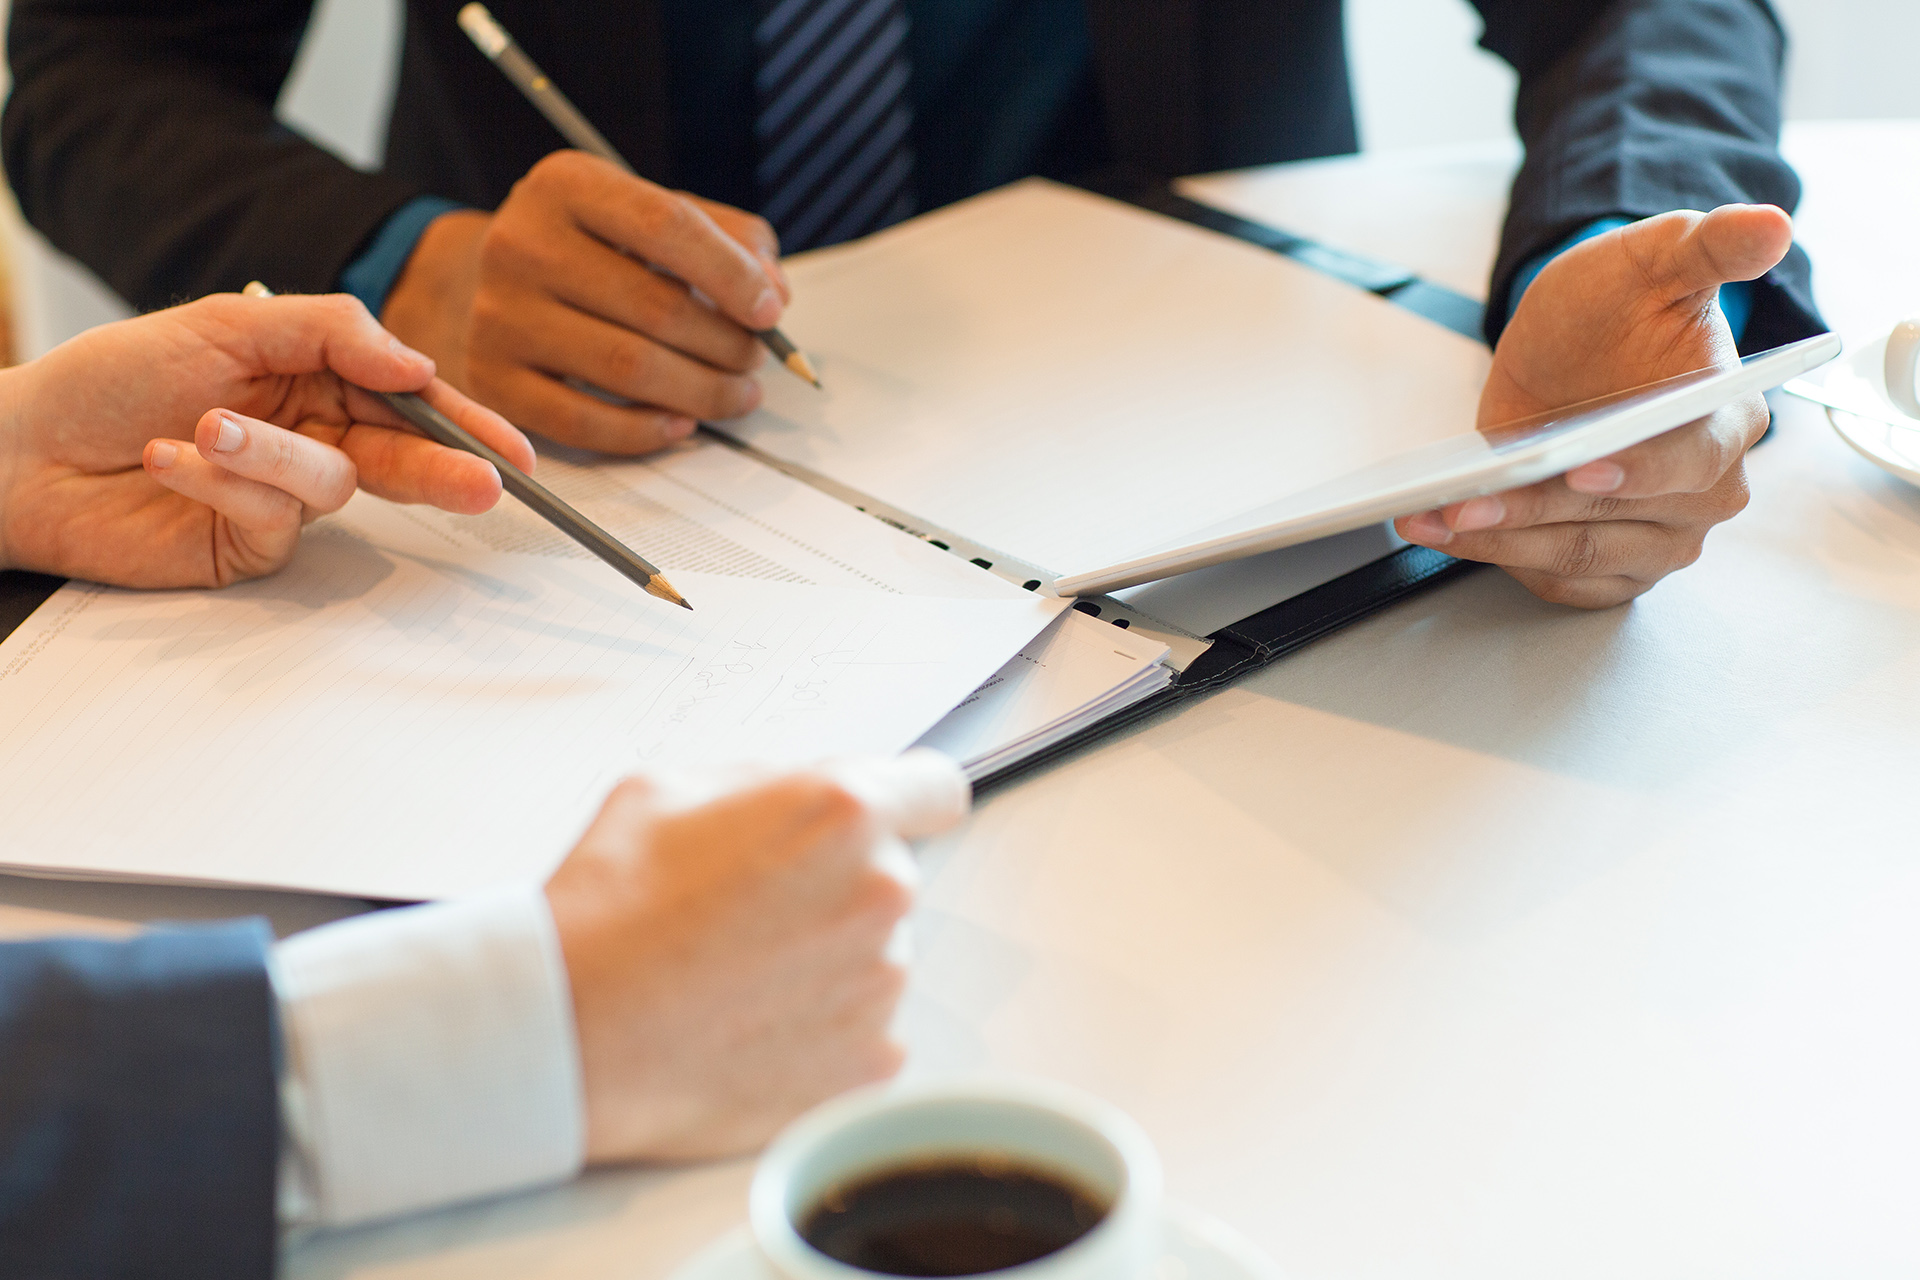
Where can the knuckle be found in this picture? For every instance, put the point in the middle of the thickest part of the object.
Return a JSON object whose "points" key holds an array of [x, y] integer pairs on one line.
{"points": [[280, 459], [817, 799], [555, 169], [489, 316], [1732, 496], [1578, 555], [883, 897], [661, 216], [761, 232], [1552, 589], [579, 421], [882, 1061], [891, 983], [634, 788], [632, 362], [832, 803], [504, 251], [723, 397]]}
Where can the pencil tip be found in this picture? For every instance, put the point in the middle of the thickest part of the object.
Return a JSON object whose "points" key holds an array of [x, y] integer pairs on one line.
{"points": [[803, 368], [658, 586]]}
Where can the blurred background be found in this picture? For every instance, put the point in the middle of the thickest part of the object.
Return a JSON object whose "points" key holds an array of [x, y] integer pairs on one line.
{"points": [[1420, 82]]}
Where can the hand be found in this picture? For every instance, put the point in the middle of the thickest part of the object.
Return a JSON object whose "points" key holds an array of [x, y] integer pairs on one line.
{"points": [[729, 959], [1628, 307], [93, 485], [587, 272]]}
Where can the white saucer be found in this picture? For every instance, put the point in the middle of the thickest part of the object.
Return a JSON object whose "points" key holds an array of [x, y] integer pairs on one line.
{"points": [[1198, 1248], [1892, 449]]}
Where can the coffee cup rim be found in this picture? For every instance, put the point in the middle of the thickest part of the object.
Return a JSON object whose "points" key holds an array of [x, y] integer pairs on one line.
{"points": [[780, 1240]]}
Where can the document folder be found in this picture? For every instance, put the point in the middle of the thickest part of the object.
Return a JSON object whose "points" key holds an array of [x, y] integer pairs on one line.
{"points": [[1201, 663]]}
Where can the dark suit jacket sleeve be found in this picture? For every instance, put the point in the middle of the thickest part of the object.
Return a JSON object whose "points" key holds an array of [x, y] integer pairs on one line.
{"points": [[139, 1115], [140, 138], [1636, 107]]}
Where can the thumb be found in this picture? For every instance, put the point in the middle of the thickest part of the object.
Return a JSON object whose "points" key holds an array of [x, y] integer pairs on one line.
{"points": [[1684, 253]]}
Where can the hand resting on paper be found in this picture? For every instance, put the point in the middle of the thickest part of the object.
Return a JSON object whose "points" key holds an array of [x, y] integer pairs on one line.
{"points": [[98, 479], [588, 272], [1628, 307], [730, 958]]}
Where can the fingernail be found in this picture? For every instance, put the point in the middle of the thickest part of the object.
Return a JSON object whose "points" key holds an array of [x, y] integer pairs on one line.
{"points": [[164, 454], [1480, 513], [767, 309], [230, 437], [1596, 477], [1428, 529], [680, 428], [750, 399], [404, 351]]}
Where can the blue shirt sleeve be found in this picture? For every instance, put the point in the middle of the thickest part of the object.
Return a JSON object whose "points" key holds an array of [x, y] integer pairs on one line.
{"points": [[1736, 299], [370, 276]]}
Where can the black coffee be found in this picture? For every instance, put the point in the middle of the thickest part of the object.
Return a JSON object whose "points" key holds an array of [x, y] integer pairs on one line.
{"points": [[958, 1218]]}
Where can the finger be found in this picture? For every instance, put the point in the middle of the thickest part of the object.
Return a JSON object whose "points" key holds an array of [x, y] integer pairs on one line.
{"points": [[753, 231], [309, 334], [318, 476], [270, 517], [1580, 593], [492, 429], [573, 417], [669, 231], [1548, 502], [570, 343], [1635, 549], [479, 421], [750, 230], [634, 297], [1681, 254], [1689, 459], [402, 467]]}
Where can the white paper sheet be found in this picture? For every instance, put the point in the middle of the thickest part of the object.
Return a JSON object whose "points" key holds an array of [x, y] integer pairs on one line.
{"points": [[397, 715], [1069, 380], [705, 507]]}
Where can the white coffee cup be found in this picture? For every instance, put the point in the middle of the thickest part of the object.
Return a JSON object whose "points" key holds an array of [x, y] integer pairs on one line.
{"points": [[1902, 367], [1045, 1127]]}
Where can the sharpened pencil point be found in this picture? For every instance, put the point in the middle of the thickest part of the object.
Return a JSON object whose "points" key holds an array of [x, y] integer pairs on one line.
{"points": [[803, 368], [660, 587]]}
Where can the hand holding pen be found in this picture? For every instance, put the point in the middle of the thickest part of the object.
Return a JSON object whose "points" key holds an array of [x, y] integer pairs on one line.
{"points": [[589, 277]]}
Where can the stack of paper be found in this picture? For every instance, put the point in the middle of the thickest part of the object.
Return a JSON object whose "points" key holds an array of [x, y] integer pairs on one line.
{"points": [[1074, 674], [423, 705], [395, 716]]}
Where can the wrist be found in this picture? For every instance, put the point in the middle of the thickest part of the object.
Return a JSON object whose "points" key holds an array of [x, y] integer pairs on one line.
{"points": [[430, 301], [13, 435]]}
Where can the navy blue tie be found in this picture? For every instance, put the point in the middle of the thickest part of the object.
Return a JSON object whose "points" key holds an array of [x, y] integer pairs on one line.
{"points": [[834, 123]]}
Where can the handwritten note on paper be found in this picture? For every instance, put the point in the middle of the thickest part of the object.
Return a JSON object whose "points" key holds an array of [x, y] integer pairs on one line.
{"points": [[399, 716]]}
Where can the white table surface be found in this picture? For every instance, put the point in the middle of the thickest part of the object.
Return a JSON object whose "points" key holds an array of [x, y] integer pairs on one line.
{"points": [[1485, 939]]}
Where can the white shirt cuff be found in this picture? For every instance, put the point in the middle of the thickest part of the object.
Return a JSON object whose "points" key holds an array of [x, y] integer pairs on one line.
{"points": [[430, 1058]]}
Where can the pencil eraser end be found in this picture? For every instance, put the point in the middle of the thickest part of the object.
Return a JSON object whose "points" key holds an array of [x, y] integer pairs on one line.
{"points": [[482, 29]]}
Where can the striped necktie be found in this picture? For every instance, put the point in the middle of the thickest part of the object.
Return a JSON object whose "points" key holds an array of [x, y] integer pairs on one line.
{"points": [[834, 124]]}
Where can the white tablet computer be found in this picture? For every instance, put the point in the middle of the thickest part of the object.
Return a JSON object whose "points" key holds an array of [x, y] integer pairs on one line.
{"points": [[1465, 466]]}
